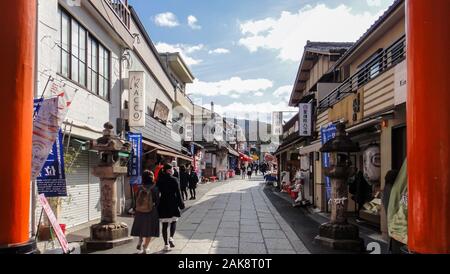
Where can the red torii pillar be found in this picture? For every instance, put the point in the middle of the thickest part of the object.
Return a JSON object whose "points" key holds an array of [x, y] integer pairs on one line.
{"points": [[18, 34], [428, 120]]}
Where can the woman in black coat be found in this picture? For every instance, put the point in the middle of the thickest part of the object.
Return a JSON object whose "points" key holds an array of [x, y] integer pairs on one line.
{"points": [[170, 203], [193, 181], [184, 182]]}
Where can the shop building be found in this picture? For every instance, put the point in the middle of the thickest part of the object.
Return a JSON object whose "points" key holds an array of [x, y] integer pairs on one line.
{"points": [[370, 98]]}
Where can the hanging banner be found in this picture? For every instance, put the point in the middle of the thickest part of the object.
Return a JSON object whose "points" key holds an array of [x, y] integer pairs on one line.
{"points": [[137, 99], [47, 122], [55, 224], [327, 133], [277, 123], [305, 112], [51, 181], [135, 163]]}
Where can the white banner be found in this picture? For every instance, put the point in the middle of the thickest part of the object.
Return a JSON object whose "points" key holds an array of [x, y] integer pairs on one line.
{"points": [[137, 99], [48, 120], [305, 119], [277, 123], [400, 83]]}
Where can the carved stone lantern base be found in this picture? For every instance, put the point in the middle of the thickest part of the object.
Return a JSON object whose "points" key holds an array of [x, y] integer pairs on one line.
{"points": [[340, 237], [107, 236]]}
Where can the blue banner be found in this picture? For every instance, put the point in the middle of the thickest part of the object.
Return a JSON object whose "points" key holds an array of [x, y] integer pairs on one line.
{"points": [[135, 163], [327, 133], [51, 181]]}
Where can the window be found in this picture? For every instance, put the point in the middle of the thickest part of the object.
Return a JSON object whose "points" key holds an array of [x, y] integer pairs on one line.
{"points": [[82, 58]]}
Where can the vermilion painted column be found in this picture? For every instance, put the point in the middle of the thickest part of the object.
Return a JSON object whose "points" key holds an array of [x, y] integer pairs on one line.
{"points": [[17, 31], [428, 121]]}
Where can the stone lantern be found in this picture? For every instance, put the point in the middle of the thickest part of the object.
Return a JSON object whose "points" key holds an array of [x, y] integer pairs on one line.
{"points": [[338, 233], [114, 154]]}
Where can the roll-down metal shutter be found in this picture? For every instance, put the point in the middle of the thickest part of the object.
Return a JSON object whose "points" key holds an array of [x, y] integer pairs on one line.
{"points": [[94, 189]]}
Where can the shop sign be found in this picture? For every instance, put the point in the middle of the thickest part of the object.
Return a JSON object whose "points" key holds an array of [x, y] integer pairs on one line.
{"points": [[135, 163], [55, 224], [305, 119], [51, 181], [161, 112], [137, 99], [400, 83], [277, 123], [327, 133]]}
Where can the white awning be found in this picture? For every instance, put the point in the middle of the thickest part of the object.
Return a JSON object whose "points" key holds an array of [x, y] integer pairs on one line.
{"points": [[311, 148]]}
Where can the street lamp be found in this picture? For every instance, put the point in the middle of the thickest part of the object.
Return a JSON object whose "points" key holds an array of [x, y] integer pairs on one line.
{"points": [[338, 233]]}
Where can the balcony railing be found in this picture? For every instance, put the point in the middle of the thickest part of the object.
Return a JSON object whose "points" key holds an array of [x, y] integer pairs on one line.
{"points": [[384, 60], [121, 9]]}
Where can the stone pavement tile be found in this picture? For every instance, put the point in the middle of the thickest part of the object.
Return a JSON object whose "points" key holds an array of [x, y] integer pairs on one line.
{"points": [[249, 221], [251, 237], [252, 248], [183, 234], [250, 228], [224, 250], [270, 226], [203, 236], [278, 244], [221, 241], [265, 215], [229, 224], [273, 234], [187, 227], [232, 212], [180, 244], [299, 247], [268, 220], [198, 245], [227, 232], [249, 216], [207, 229], [231, 219], [281, 251]]}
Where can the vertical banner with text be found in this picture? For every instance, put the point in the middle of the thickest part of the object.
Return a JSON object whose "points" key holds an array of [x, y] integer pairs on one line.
{"points": [[305, 112], [135, 163], [327, 134], [137, 99]]}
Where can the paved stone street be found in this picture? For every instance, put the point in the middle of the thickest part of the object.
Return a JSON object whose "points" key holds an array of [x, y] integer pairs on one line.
{"points": [[234, 217]]}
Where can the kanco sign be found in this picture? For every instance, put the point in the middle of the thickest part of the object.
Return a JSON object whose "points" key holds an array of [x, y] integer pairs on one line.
{"points": [[137, 99]]}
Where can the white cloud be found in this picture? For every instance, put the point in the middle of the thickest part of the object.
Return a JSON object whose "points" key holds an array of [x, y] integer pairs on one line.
{"points": [[230, 87], [259, 94], [166, 19], [183, 49], [192, 22], [289, 32], [242, 110], [219, 51], [283, 92], [374, 3]]}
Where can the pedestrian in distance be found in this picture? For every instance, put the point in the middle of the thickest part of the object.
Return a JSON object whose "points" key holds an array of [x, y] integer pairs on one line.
{"points": [[193, 181], [184, 182], [249, 171], [146, 220], [170, 204], [243, 171]]}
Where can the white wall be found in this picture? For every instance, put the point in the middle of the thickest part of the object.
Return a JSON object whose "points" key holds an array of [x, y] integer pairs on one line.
{"points": [[87, 109]]}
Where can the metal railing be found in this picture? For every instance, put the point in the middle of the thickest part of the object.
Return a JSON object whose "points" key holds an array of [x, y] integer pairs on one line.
{"points": [[384, 60], [121, 9]]}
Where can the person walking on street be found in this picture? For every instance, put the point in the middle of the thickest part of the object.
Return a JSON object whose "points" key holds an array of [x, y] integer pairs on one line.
{"points": [[184, 182], [146, 220], [193, 181], [249, 171], [243, 171], [170, 204]]}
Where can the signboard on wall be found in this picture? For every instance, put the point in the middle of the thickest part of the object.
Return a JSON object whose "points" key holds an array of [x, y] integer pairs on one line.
{"points": [[277, 123], [305, 112], [137, 99], [400, 76], [161, 111]]}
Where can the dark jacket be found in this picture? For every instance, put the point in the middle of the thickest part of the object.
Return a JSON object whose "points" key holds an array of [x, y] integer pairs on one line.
{"points": [[170, 201], [184, 180], [193, 180]]}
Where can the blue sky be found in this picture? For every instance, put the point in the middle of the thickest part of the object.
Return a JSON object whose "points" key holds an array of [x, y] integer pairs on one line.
{"points": [[245, 53]]}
